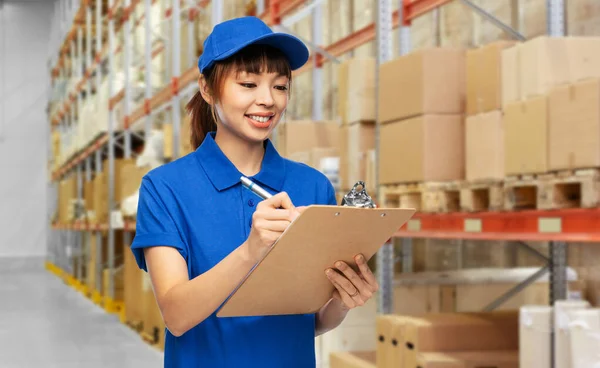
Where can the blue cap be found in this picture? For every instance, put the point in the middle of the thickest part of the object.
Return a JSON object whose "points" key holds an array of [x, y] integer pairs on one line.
{"points": [[231, 36]]}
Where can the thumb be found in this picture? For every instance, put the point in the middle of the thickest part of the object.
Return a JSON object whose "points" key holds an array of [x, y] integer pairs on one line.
{"points": [[281, 200]]}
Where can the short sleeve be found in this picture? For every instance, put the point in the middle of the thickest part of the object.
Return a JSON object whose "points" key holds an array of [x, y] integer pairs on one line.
{"points": [[331, 198], [155, 224]]}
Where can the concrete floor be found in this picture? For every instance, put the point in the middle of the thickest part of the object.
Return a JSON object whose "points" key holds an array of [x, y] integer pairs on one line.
{"points": [[45, 323]]}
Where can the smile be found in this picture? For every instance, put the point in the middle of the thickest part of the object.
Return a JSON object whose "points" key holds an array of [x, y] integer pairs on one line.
{"points": [[260, 119]]}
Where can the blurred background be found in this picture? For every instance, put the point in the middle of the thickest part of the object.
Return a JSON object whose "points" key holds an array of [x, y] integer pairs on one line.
{"points": [[483, 115]]}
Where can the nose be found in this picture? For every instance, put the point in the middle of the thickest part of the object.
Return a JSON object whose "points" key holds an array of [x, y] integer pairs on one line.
{"points": [[265, 96]]}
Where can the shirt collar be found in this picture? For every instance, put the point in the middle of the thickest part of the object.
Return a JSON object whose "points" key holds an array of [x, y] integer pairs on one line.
{"points": [[223, 174]]}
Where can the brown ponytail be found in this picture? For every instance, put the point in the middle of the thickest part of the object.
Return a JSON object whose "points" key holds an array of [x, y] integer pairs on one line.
{"points": [[251, 59], [202, 119]]}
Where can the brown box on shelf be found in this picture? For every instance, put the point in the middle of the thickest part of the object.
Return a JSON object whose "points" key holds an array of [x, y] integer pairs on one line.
{"points": [[103, 251], [484, 136], [484, 77], [355, 142], [88, 194], [470, 359], [119, 175], [100, 207], [511, 78], [390, 339], [424, 148], [352, 359], [67, 191], [526, 136], [356, 90], [430, 81], [496, 331], [131, 179], [303, 135], [544, 64], [575, 126], [584, 57]]}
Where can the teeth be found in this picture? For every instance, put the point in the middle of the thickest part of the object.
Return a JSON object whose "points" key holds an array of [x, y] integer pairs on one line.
{"points": [[260, 119]]}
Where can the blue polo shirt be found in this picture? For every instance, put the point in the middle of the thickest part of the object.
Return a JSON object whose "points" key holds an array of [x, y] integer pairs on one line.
{"points": [[197, 205]]}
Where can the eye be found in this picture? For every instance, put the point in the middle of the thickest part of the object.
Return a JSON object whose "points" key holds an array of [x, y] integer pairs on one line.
{"points": [[248, 85], [282, 88]]}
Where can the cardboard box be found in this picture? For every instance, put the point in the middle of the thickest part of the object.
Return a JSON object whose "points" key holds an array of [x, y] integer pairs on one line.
{"points": [[484, 77], [511, 75], [430, 81], [470, 359], [100, 207], [584, 57], [343, 82], [526, 136], [485, 146], [304, 135], [383, 328], [495, 331], [88, 194], [352, 359], [575, 126], [356, 90], [544, 64], [355, 142], [131, 178], [425, 148]]}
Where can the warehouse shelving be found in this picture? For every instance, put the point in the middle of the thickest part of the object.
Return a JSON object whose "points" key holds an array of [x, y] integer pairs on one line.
{"points": [[558, 227]]}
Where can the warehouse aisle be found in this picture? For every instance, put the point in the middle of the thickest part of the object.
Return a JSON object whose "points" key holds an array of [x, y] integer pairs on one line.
{"points": [[44, 323]]}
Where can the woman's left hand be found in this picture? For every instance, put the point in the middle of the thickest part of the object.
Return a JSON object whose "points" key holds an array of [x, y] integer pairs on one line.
{"points": [[353, 289]]}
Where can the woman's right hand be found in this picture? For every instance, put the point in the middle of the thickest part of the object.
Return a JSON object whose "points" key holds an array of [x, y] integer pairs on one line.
{"points": [[269, 221]]}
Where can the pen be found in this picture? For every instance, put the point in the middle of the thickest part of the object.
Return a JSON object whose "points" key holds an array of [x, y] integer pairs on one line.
{"points": [[258, 190]]}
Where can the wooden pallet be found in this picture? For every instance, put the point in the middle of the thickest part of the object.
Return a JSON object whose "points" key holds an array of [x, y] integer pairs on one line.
{"points": [[570, 189], [424, 196], [484, 195], [521, 192]]}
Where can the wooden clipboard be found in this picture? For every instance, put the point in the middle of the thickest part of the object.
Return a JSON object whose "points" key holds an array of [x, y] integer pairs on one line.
{"points": [[291, 279]]}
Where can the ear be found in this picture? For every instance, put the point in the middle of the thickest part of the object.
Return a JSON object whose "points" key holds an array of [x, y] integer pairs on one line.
{"points": [[204, 90]]}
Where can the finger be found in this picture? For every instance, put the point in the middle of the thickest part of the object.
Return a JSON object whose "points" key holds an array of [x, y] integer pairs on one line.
{"points": [[354, 278], [341, 293], [366, 273], [345, 284], [280, 200], [274, 215], [301, 209], [274, 226]]}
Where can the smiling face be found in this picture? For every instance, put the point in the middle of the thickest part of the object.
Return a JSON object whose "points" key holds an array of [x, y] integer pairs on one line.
{"points": [[252, 104], [249, 93]]}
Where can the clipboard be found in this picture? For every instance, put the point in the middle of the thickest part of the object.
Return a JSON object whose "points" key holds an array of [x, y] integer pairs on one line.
{"points": [[290, 278]]}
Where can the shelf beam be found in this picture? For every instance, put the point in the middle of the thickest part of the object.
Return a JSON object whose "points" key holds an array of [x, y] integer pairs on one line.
{"points": [[567, 225]]}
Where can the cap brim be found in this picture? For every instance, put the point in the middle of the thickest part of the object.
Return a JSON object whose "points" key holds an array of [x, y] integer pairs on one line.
{"points": [[292, 47]]}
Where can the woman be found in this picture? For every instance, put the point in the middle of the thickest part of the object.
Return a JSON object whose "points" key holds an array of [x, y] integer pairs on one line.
{"points": [[199, 231]]}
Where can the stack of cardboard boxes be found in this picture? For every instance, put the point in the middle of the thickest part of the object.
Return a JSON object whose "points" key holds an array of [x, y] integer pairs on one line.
{"points": [[551, 98], [484, 128], [356, 96], [421, 107], [444, 340], [314, 143]]}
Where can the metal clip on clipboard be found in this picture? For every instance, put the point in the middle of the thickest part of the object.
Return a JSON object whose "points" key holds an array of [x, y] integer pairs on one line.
{"points": [[358, 197]]}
